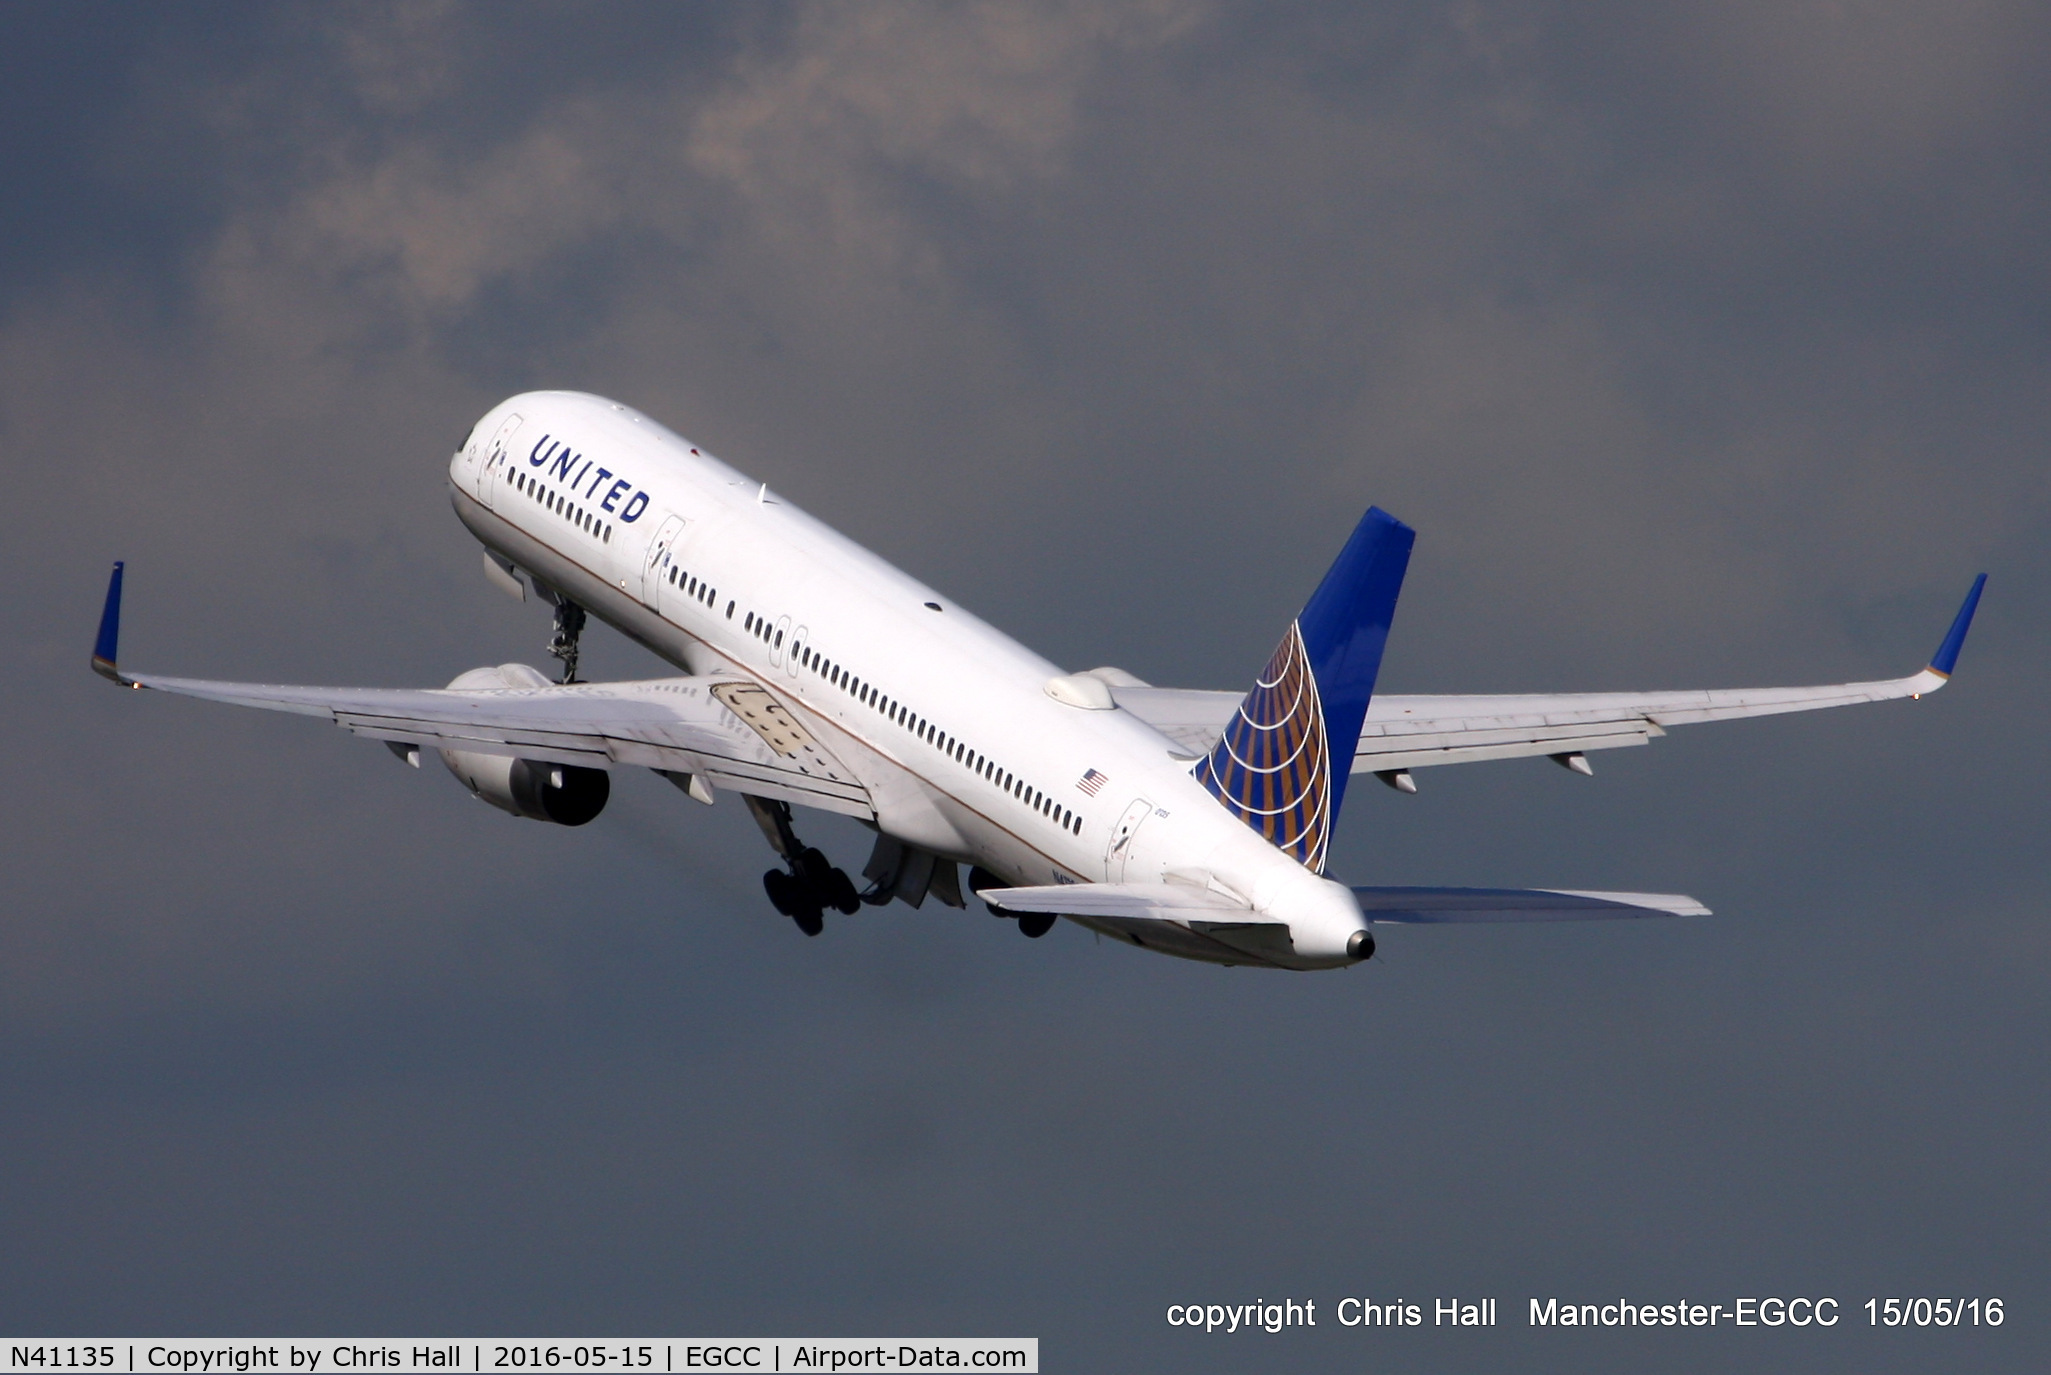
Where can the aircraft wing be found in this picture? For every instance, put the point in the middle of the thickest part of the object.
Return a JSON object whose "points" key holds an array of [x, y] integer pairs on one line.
{"points": [[1402, 733], [732, 732]]}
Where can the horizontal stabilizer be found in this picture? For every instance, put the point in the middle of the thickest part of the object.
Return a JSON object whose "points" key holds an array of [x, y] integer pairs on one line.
{"points": [[1447, 905], [1182, 902], [1174, 918]]}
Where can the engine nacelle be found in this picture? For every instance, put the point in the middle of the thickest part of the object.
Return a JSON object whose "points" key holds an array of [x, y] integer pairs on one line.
{"points": [[563, 793]]}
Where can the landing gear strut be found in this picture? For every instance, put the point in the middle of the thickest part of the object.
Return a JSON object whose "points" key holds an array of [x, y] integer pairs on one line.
{"points": [[811, 884], [569, 624]]}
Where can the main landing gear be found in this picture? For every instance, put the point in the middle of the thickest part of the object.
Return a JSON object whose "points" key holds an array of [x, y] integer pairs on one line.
{"points": [[569, 625], [1031, 925], [811, 884]]}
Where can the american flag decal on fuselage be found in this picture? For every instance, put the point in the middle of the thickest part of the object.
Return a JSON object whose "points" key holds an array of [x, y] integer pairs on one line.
{"points": [[1091, 782], [1272, 767]]}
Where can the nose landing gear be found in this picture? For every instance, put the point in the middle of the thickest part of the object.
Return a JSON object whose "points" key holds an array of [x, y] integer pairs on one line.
{"points": [[811, 884], [569, 625]]}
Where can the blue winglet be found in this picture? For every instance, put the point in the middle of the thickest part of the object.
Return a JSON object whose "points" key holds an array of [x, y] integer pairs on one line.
{"points": [[105, 649], [1946, 657]]}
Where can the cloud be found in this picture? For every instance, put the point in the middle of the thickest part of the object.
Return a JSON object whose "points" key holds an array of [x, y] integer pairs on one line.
{"points": [[825, 139]]}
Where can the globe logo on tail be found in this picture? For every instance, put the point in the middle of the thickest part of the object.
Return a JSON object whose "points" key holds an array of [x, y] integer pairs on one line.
{"points": [[1272, 768]]}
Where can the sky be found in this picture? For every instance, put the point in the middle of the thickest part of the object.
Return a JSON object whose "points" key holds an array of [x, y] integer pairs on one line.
{"points": [[1703, 346]]}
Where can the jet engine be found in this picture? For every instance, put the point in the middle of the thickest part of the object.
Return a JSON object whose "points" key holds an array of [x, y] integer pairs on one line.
{"points": [[563, 793]]}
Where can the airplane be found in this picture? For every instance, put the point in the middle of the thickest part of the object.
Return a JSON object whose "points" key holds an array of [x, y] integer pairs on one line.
{"points": [[814, 674]]}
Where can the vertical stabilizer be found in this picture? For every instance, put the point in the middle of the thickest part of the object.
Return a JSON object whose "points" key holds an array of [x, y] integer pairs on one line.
{"points": [[1281, 765]]}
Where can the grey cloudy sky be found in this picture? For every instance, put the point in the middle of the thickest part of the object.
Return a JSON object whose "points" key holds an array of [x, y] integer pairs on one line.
{"points": [[1702, 345]]}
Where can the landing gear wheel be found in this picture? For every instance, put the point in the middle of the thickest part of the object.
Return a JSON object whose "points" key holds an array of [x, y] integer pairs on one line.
{"points": [[812, 867], [829, 886], [812, 884], [1036, 924], [794, 900]]}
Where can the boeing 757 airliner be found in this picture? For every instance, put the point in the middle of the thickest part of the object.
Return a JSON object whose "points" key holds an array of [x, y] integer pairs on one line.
{"points": [[814, 674]]}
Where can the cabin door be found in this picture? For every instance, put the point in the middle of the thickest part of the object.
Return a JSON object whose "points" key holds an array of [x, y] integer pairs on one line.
{"points": [[655, 567]]}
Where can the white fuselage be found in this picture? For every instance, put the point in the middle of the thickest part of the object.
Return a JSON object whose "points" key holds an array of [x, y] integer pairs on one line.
{"points": [[946, 720]]}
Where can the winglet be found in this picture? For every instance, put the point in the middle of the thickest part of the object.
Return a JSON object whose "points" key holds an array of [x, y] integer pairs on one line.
{"points": [[104, 648], [1946, 657]]}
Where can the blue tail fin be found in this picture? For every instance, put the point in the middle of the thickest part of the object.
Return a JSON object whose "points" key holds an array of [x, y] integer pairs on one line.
{"points": [[1282, 763]]}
